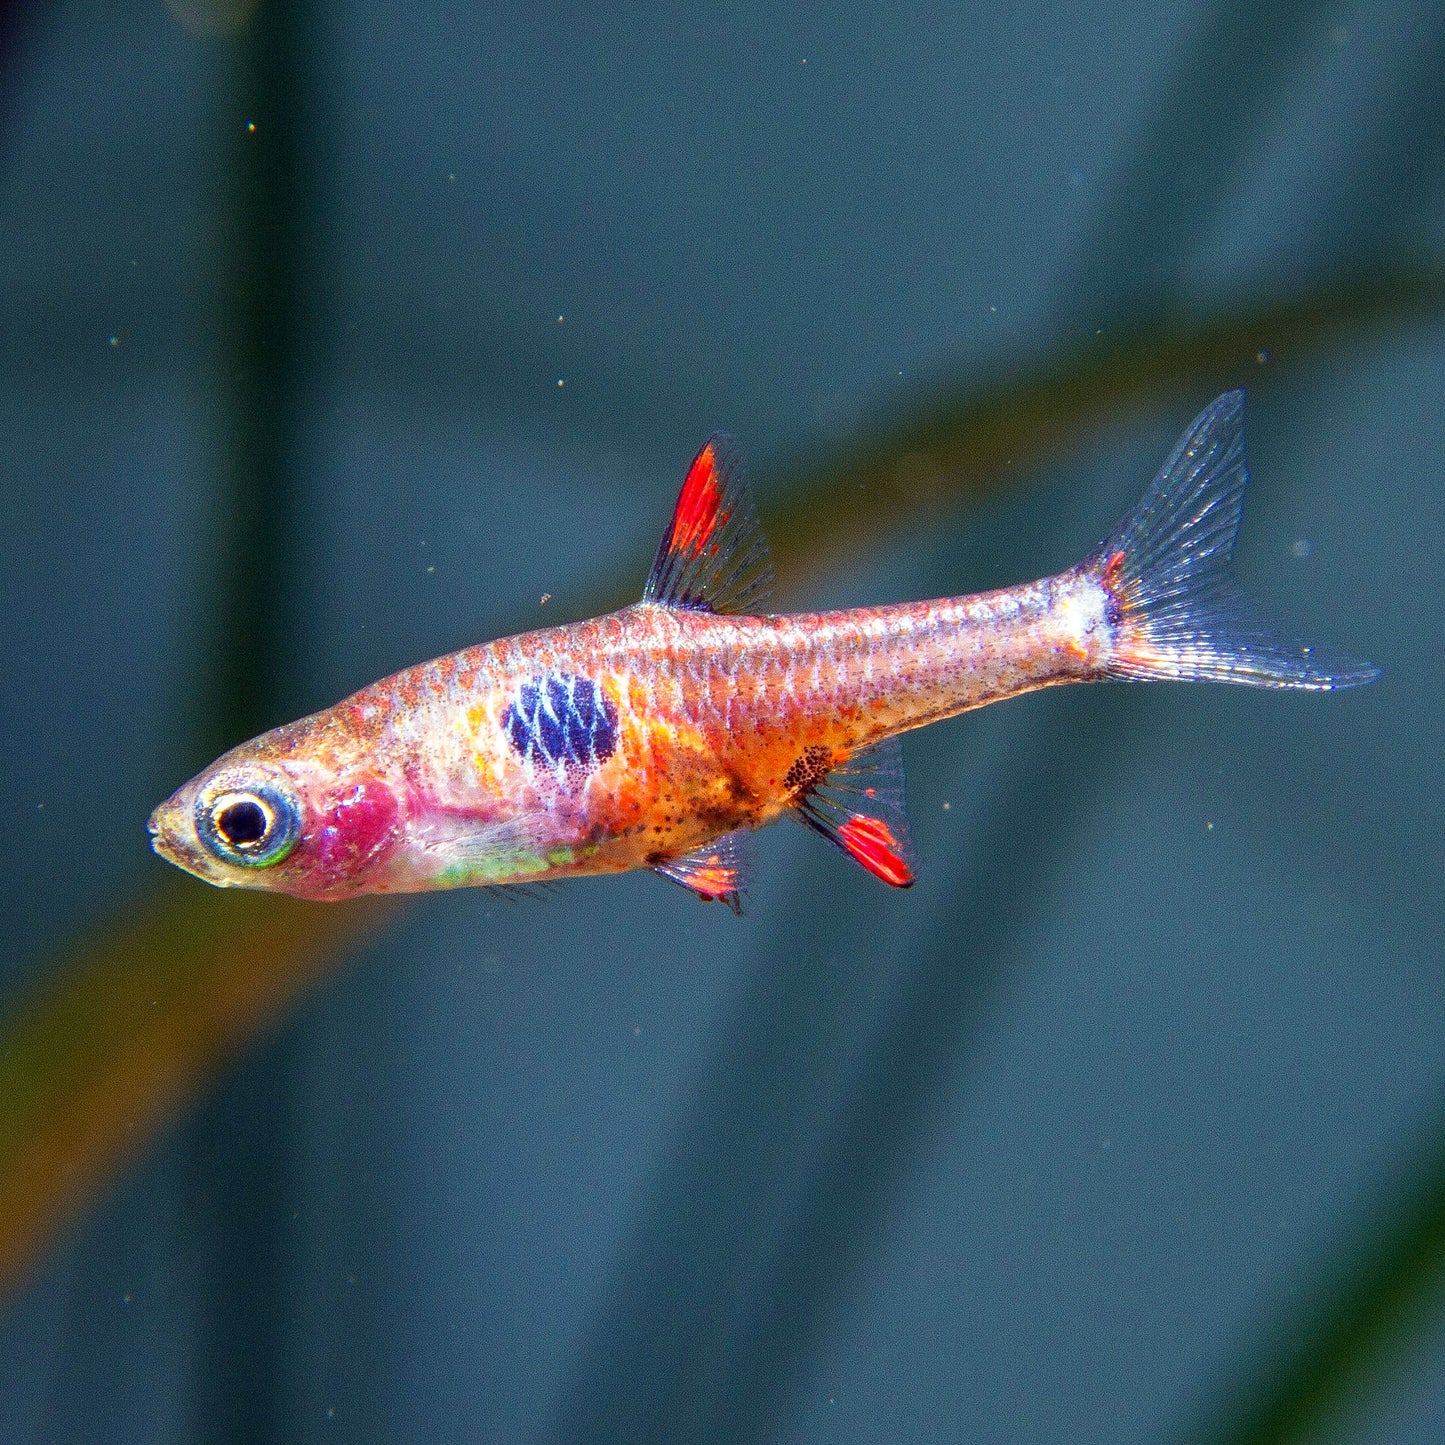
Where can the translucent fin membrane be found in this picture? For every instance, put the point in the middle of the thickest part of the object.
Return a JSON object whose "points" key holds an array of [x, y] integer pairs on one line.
{"points": [[716, 872], [713, 556], [1168, 569], [858, 807]]}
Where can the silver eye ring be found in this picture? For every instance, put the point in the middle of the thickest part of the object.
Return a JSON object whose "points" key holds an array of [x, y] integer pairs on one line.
{"points": [[254, 824]]}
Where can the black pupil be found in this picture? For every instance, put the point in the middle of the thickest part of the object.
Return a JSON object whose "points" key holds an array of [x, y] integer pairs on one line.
{"points": [[242, 823]]}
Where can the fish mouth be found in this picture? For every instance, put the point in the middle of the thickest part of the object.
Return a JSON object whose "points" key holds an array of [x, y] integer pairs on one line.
{"points": [[172, 838], [161, 825]]}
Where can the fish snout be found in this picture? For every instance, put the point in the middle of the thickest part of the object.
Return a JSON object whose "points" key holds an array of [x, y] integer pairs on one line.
{"points": [[161, 825], [172, 830]]}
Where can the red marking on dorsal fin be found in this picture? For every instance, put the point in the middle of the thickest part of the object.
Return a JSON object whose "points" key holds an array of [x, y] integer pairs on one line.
{"points": [[716, 872], [858, 807], [698, 513], [712, 557]]}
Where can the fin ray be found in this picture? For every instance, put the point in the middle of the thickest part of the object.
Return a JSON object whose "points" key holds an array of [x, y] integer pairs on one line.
{"points": [[713, 556], [716, 872], [1167, 568], [859, 807], [534, 891]]}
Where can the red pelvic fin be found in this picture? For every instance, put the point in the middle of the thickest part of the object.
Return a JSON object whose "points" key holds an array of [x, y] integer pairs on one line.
{"points": [[859, 807], [716, 872], [713, 556]]}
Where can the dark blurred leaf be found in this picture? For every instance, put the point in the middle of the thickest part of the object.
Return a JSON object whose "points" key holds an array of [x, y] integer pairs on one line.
{"points": [[975, 438], [1359, 1317]]}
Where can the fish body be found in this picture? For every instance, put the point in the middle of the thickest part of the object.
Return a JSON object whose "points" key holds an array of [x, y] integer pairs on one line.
{"points": [[661, 735]]}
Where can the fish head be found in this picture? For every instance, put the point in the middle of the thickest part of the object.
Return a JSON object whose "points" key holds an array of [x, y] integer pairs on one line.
{"points": [[288, 812]]}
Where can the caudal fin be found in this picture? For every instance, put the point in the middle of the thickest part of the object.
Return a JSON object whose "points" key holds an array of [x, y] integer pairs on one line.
{"points": [[1178, 613]]}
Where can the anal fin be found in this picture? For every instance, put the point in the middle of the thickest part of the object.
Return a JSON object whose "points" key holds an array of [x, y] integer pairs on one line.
{"points": [[858, 806], [716, 872]]}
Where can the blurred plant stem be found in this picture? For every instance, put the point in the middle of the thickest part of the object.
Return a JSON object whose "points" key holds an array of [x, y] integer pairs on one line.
{"points": [[241, 1141], [976, 437], [134, 1021], [264, 316]]}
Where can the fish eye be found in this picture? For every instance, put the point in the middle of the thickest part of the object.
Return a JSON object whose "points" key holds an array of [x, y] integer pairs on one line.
{"points": [[243, 823], [255, 825]]}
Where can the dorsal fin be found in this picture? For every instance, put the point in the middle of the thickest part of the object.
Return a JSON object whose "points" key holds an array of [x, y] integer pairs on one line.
{"points": [[858, 807], [713, 556], [715, 872]]}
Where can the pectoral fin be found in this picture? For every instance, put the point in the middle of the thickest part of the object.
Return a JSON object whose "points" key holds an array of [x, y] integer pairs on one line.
{"points": [[462, 852]]}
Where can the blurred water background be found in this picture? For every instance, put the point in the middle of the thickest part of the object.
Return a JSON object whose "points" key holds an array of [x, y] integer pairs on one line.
{"points": [[334, 336]]}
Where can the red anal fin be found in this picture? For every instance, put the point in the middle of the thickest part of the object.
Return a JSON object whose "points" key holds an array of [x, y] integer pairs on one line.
{"points": [[713, 556], [715, 872], [859, 808], [871, 842]]}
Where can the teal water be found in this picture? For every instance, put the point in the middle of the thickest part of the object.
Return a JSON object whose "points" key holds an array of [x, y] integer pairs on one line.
{"points": [[1072, 1140]]}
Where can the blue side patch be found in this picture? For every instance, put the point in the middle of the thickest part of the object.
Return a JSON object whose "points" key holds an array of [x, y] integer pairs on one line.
{"points": [[562, 722]]}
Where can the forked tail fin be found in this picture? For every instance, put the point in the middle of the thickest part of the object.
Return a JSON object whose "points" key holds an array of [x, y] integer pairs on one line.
{"points": [[1177, 612]]}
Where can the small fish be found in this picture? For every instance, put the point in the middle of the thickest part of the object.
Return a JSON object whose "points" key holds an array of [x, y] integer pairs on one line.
{"points": [[660, 736]]}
